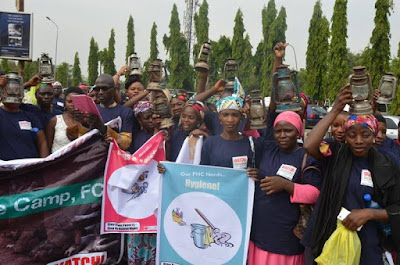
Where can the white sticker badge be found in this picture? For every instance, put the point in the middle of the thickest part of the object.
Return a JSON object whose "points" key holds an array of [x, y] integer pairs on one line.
{"points": [[25, 125], [366, 178], [59, 103], [239, 162], [286, 171]]}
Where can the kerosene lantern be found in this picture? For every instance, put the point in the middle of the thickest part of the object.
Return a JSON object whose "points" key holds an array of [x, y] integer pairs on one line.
{"points": [[134, 64], [387, 87], [155, 75], [163, 109], [13, 92], [360, 85], [203, 58], [231, 70], [257, 111], [46, 69], [286, 89]]}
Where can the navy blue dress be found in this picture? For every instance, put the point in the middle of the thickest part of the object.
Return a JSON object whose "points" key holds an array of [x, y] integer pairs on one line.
{"points": [[18, 138], [44, 117], [217, 151], [139, 137], [391, 149], [177, 139], [274, 216], [371, 251]]}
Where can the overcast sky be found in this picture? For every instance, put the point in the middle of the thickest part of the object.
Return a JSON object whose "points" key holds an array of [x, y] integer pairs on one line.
{"points": [[79, 20]]}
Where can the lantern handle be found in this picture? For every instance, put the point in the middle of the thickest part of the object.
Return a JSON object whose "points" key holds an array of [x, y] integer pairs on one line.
{"points": [[295, 57]]}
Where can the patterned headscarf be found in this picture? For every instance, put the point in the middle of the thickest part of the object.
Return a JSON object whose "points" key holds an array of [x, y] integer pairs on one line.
{"points": [[198, 106], [230, 102], [57, 84], [305, 100], [368, 121], [142, 106]]}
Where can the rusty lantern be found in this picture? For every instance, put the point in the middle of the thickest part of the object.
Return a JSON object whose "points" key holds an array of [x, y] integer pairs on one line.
{"points": [[134, 65], [231, 70], [257, 111], [163, 109], [203, 58], [155, 75], [286, 89], [387, 87], [360, 85]]}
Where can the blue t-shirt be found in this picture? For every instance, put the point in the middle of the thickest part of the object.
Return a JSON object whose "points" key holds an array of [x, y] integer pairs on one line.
{"points": [[177, 139], [274, 216], [391, 149], [138, 139], [18, 138], [125, 113], [217, 151], [212, 122], [44, 117]]}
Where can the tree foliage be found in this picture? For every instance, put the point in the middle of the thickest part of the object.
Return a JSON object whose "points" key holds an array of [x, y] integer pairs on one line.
{"points": [[64, 74], [153, 52], [337, 72], [221, 51], [395, 68], [130, 47], [109, 65], [181, 73], [93, 62], [379, 55], [201, 27], [268, 17], [76, 71], [317, 54]]}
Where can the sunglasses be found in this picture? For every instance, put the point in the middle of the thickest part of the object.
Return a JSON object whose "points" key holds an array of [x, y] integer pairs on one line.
{"points": [[104, 88]]}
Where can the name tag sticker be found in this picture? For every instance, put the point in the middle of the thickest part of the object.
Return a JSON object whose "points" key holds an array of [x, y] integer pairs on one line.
{"points": [[286, 171], [239, 162], [59, 103], [25, 125], [366, 178]]}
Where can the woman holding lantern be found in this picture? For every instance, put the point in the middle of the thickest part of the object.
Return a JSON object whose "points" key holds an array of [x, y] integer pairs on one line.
{"points": [[355, 172], [287, 178]]}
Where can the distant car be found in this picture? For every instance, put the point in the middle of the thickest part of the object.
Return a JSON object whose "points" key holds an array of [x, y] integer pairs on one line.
{"points": [[392, 126], [314, 115]]}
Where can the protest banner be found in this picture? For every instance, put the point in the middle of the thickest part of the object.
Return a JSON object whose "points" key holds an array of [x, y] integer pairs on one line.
{"points": [[204, 216], [131, 186], [50, 209]]}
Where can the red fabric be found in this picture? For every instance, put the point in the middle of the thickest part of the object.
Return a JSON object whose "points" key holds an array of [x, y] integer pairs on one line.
{"points": [[305, 194], [261, 257]]}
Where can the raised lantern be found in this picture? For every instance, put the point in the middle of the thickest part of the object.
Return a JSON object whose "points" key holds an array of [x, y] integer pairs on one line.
{"points": [[361, 87], [155, 75], [231, 70], [257, 111], [13, 92], [203, 58], [134, 65], [387, 87], [286, 89]]}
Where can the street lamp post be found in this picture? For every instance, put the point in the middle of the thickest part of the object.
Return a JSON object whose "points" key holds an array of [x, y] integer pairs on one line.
{"points": [[55, 61]]}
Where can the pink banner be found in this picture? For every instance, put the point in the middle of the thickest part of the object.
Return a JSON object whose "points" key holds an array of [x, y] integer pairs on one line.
{"points": [[131, 186]]}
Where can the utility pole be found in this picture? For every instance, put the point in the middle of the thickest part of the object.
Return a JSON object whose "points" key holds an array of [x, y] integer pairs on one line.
{"points": [[21, 64], [191, 6]]}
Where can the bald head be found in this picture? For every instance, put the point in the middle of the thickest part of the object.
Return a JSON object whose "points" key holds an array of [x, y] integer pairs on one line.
{"points": [[105, 80]]}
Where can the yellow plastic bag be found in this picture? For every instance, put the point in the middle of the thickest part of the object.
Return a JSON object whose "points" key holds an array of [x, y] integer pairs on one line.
{"points": [[342, 248]]}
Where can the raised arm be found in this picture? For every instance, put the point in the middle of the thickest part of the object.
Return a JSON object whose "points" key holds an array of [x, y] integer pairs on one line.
{"points": [[315, 137], [279, 53], [131, 102], [218, 87], [202, 83]]}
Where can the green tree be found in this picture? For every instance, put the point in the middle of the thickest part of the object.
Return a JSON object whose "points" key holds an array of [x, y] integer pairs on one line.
{"points": [[222, 50], [337, 72], [238, 42], [277, 33], [130, 47], [153, 52], [29, 71], [102, 59], [257, 63], [395, 68], [269, 14], [201, 27], [248, 79], [109, 66], [317, 54], [76, 71], [354, 59], [93, 62], [8, 66], [380, 45], [64, 74], [181, 73]]}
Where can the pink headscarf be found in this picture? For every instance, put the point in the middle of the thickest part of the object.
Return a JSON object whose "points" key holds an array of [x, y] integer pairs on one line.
{"points": [[292, 118]]}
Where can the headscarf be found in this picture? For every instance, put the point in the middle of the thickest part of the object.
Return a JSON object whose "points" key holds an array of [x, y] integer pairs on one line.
{"points": [[305, 100], [57, 84], [142, 106], [231, 102], [368, 121], [292, 118], [182, 95], [198, 106]]}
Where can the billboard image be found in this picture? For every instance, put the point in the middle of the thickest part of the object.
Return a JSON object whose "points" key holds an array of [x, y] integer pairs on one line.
{"points": [[16, 35]]}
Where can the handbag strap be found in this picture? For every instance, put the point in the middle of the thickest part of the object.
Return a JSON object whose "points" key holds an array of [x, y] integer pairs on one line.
{"points": [[304, 168]]}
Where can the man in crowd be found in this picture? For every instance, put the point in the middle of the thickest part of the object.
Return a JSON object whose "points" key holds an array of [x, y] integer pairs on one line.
{"points": [[21, 133], [45, 109], [58, 101], [110, 110]]}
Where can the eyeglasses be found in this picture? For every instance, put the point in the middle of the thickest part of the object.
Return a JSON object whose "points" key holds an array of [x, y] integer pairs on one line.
{"points": [[104, 88]]}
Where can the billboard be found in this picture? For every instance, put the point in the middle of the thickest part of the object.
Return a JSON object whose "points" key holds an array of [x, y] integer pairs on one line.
{"points": [[16, 35]]}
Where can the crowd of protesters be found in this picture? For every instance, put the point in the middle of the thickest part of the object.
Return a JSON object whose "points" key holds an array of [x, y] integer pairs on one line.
{"points": [[327, 173]]}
